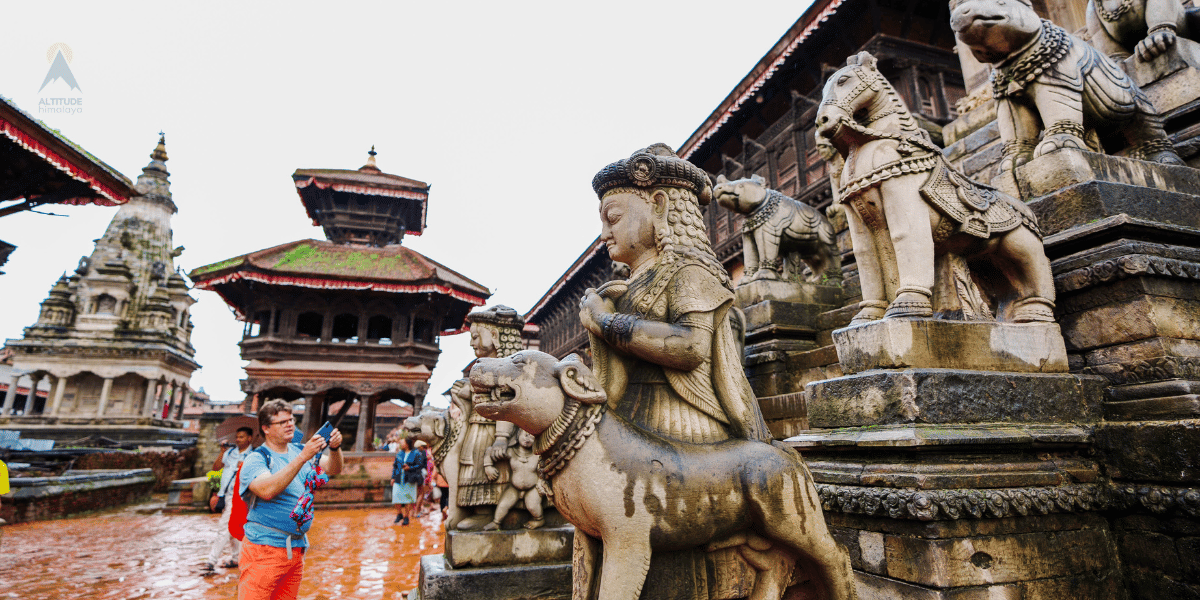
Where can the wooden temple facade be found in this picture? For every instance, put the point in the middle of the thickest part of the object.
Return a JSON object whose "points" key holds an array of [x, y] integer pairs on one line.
{"points": [[765, 127], [352, 319]]}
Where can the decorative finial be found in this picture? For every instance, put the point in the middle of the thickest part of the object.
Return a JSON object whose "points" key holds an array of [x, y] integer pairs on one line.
{"points": [[160, 151], [370, 166]]}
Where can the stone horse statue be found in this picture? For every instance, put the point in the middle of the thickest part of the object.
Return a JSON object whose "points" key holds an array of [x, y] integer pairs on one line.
{"points": [[916, 222], [776, 227]]}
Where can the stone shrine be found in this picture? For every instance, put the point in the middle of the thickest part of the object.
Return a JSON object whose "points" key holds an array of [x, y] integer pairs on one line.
{"points": [[114, 336], [356, 318]]}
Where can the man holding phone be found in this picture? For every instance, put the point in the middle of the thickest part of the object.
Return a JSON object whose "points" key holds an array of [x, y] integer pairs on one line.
{"points": [[272, 482]]}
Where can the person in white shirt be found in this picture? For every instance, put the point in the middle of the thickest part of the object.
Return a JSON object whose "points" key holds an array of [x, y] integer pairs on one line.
{"points": [[230, 461]]}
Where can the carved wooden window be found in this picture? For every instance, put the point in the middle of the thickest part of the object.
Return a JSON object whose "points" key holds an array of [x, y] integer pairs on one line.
{"points": [[257, 326], [929, 104], [309, 324], [345, 327], [379, 328], [423, 330]]}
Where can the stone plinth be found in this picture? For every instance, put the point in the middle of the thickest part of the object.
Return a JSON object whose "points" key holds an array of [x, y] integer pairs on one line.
{"points": [[953, 396], [440, 582], [508, 548], [1058, 170], [762, 290], [939, 344], [1053, 556], [1171, 79]]}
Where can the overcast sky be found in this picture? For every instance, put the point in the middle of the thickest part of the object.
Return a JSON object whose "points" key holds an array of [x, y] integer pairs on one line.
{"points": [[506, 108]]}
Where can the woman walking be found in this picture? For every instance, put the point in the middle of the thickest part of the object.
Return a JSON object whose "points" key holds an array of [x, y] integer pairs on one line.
{"points": [[406, 476]]}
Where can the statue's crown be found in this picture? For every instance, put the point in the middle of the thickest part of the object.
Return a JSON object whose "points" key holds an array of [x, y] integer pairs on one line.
{"points": [[652, 166], [497, 315]]}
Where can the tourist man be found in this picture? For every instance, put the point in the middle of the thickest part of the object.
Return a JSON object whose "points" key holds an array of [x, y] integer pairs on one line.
{"points": [[272, 560], [231, 459]]}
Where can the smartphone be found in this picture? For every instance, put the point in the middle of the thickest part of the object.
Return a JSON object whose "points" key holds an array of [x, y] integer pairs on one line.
{"points": [[325, 431]]}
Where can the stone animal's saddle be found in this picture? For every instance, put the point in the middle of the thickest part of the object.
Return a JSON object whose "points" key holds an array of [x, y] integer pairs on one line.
{"points": [[981, 210]]}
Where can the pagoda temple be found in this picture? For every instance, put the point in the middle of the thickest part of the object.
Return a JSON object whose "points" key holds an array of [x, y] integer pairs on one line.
{"points": [[113, 338], [354, 318]]}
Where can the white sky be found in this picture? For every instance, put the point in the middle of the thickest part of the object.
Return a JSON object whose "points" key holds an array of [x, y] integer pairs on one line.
{"points": [[506, 108]]}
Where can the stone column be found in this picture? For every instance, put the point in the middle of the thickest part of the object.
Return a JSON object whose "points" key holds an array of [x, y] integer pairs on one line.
{"points": [[182, 397], [10, 396], [161, 401], [59, 390], [104, 391], [32, 397], [360, 437], [149, 397]]}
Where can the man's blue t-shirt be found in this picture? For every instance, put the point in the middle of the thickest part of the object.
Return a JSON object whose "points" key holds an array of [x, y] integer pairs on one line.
{"points": [[276, 512]]}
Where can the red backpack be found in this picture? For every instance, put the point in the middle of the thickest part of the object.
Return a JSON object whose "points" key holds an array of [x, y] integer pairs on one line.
{"points": [[240, 510]]}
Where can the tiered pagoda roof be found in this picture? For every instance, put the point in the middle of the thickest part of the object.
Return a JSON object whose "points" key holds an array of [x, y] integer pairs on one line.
{"points": [[325, 265]]}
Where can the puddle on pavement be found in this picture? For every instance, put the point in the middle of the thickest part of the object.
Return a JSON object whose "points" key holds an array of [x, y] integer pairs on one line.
{"points": [[356, 555]]}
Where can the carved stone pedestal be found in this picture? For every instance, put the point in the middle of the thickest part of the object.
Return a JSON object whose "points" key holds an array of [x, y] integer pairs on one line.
{"points": [[500, 565], [788, 327], [1171, 79], [967, 511], [932, 343]]}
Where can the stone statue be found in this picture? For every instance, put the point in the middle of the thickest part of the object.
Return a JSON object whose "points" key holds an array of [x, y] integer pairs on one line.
{"points": [[1146, 28], [522, 485], [776, 227], [914, 220], [442, 430], [660, 340], [756, 497], [1047, 79], [668, 369], [495, 332]]}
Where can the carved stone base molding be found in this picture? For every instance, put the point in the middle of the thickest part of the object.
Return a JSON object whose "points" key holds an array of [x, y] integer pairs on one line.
{"points": [[953, 396], [929, 505]]}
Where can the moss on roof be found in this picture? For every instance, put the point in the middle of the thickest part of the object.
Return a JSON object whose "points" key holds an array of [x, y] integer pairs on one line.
{"points": [[305, 257]]}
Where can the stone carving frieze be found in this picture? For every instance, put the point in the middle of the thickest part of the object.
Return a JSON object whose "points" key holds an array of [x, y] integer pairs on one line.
{"points": [[1144, 371], [1156, 499], [930, 505], [941, 505], [1133, 265]]}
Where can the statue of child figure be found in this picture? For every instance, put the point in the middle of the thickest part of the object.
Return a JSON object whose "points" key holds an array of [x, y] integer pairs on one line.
{"points": [[522, 484]]}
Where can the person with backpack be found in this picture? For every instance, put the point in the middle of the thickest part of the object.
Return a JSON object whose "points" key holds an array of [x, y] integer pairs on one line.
{"points": [[230, 461], [407, 475], [276, 481]]}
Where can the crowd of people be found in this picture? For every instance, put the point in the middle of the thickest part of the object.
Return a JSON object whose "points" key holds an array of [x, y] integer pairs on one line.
{"points": [[416, 482]]}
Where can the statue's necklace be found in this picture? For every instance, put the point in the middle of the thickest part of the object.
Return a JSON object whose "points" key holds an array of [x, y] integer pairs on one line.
{"points": [[1050, 47], [762, 213], [1114, 14], [574, 437], [439, 453]]}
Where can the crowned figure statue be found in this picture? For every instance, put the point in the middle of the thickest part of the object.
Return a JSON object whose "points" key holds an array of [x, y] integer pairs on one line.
{"points": [[661, 341], [483, 471]]}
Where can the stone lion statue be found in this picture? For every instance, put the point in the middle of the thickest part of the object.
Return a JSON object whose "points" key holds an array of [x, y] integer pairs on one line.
{"points": [[777, 226], [1146, 28], [1047, 80]]}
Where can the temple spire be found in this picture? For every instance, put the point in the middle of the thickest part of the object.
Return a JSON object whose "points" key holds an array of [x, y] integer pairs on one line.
{"points": [[370, 166]]}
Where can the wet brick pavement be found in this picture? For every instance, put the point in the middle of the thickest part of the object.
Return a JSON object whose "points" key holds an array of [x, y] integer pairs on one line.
{"points": [[125, 554]]}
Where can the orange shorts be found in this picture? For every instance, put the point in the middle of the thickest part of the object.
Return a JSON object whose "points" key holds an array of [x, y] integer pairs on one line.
{"points": [[267, 574]]}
